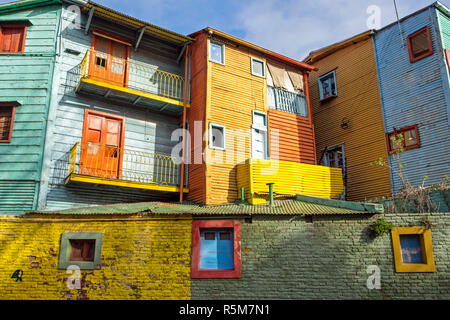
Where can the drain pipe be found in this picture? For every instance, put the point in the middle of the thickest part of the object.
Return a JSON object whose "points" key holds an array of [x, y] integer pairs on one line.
{"points": [[242, 195], [271, 193]]}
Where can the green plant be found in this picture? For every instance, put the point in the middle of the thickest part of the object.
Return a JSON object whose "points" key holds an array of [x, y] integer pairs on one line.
{"points": [[381, 227], [427, 222]]}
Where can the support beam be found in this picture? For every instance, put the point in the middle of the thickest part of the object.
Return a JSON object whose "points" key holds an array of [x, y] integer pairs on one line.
{"points": [[181, 53], [164, 107], [88, 24], [108, 93], [139, 39], [137, 100]]}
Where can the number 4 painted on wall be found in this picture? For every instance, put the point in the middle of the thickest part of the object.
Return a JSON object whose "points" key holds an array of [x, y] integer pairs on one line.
{"points": [[17, 275]]}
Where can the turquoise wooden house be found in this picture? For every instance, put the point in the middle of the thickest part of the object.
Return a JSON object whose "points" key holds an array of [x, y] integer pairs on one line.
{"points": [[28, 33], [118, 96], [413, 61]]}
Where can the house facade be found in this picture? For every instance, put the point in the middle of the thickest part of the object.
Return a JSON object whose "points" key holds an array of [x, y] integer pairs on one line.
{"points": [[413, 72], [348, 116], [28, 33]]}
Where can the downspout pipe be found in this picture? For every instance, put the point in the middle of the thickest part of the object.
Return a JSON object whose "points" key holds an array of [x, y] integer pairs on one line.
{"points": [[183, 140]]}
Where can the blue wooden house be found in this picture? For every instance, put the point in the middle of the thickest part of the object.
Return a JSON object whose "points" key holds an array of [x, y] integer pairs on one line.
{"points": [[118, 96], [413, 70], [28, 33]]}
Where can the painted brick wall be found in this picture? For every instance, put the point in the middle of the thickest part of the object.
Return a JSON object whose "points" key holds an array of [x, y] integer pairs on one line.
{"points": [[142, 258], [285, 258]]}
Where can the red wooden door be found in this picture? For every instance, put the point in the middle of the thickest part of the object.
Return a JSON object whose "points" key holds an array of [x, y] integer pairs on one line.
{"points": [[109, 61], [102, 146]]}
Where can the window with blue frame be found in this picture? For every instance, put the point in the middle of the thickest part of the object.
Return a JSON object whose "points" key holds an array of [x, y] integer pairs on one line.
{"points": [[216, 249], [217, 52], [327, 86]]}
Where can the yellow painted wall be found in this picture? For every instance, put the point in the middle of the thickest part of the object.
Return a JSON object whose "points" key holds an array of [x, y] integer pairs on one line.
{"points": [[359, 101], [142, 258], [233, 92], [289, 178]]}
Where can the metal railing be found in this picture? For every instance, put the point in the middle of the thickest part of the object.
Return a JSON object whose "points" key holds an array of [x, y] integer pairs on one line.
{"points": [[287, 101], [109, 162], [132, 74]]}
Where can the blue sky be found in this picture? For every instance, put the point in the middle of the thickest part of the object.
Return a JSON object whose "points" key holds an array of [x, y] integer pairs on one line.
{"points": [[291, 27]]}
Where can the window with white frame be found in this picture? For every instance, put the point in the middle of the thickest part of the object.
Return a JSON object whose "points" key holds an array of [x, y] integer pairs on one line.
{"points": [[259, 136], [258, 67], [216, 52], [327, 86], [217, 136]]}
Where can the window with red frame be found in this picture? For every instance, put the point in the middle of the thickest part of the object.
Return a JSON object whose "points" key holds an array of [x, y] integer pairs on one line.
{"points": [[6, 122], [12, 38], [420, 45], [410, 139], [216, 247], [82, 250], [447, 55]]}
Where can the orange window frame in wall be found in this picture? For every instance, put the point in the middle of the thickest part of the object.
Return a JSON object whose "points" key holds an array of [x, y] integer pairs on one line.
{"points": [[21, 46], [11, 123], [109, 76], [85, 141], [430, 45], [401, 131]]}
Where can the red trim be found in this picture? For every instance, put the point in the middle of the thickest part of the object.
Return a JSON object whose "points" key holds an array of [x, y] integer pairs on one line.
{"points": [[447, 55], [402, 130], [25, 27], [196, 272], [430, 45], [13, 113]]}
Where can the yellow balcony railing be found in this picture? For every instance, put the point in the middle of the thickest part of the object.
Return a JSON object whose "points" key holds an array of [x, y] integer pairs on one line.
{"points": [[289, 179], [113, 163], [132, 75]]}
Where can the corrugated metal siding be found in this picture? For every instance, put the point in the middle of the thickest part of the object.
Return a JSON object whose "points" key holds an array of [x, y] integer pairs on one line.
{"points": [[196, 114], [414, 94], [295, 136], [144, 130], [358, 101], [26, 78]]}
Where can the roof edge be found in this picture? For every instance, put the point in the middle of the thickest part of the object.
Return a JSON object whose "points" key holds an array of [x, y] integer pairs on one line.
{"points": [[357, 206], [26, 4]]}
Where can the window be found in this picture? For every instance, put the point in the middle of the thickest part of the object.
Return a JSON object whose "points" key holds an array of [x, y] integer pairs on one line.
{"points": [[335, 158], [413, 250], [80, 249], [216, 52], [409, 141], [217, 136], [258, 67], [12, 38], [7, 112], [259, 136], [327, 86], [216, 249], [420, 45], [447, 55]]}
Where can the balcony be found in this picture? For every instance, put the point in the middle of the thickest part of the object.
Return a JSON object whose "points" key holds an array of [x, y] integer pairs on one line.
{"points": [[289, 179], [108, 165], [287, 101], [131, 82]]}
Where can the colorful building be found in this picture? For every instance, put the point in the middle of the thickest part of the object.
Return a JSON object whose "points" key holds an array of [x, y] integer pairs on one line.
{"points": [[413, 73], [348, 116], [28, 33]]}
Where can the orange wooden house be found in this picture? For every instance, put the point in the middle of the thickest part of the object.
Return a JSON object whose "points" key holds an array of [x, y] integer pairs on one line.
{"points": [[251, 125]]}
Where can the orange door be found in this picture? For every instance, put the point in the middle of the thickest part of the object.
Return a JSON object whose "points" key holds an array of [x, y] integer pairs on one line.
{"points": [[108, 61], [101, 152]]}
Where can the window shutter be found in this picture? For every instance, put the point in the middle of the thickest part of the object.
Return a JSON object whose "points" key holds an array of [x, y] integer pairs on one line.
{"points": [[12, 39], [420, 44], [5, 122]]}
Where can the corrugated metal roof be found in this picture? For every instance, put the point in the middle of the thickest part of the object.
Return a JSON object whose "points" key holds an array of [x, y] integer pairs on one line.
{"points": [[281, 207]]}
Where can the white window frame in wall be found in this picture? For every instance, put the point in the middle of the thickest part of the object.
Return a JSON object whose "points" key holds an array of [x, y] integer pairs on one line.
{"points": [[265, 129], [321, 87], [263, 67], [222, 46], [219, 126]]}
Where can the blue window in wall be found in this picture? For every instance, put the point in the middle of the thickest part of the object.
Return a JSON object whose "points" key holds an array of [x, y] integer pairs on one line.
{"points": [[216, 249], [327, 86], [411, 248]]}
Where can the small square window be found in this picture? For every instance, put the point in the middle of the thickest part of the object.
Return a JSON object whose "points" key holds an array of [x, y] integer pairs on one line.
{"points": [[217, 137], [7, 112], [327, 86], [217, 52], [80, 249], [258, 67], [406, 138], [216, 249], [12, 38], [413, 250], [420, 44]]}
